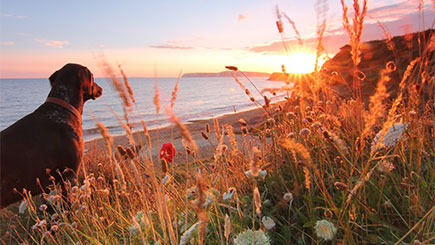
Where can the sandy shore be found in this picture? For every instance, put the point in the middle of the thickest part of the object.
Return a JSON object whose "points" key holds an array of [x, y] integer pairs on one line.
{"points": [[171, 134]]}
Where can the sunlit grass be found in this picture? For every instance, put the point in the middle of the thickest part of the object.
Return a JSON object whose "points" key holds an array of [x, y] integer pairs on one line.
{"points": [[319, 169]]}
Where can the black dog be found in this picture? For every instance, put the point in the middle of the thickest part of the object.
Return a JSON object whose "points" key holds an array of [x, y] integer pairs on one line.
{"points": [[49, 139]]}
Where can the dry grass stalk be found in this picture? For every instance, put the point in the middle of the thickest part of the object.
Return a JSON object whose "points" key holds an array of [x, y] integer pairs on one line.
{"points": [[183, 130], [232, 138], [354, 31], [127, 85], [255, 161], [156, 96], [307, 178], [108, 70], [297, 149], [295, 29], [217, 128], [257, 201], [227, 226], [174, 92], [376, 106]]}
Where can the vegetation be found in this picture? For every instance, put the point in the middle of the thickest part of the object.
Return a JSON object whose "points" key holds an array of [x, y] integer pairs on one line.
{"points": [[321, 169]]}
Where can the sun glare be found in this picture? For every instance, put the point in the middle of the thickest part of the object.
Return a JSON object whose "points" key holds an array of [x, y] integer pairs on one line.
{"points": [[301, 62]]}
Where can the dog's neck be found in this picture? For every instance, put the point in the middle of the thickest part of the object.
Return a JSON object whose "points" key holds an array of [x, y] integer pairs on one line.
{"points": [[72, 97]]}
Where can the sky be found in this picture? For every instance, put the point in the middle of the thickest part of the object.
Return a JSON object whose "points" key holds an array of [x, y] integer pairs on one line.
{"points": [[164, 38]]}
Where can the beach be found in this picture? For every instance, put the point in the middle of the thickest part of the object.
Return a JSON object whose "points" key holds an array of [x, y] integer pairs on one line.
{"points": [[172, 134]]}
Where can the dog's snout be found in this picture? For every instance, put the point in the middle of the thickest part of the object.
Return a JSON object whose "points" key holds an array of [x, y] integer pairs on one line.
{"points": [[98, 91]]}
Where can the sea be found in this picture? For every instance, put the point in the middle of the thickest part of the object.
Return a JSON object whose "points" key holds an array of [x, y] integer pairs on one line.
{"points": [[197, 98]]}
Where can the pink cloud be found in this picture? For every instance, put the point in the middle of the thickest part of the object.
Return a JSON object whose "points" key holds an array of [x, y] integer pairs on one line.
{"points": [[242, 17], [7, 44], [171, 46], [52, 43]]}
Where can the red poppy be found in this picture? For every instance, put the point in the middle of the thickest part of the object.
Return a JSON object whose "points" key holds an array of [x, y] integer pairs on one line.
{"points": [[167, 152]]}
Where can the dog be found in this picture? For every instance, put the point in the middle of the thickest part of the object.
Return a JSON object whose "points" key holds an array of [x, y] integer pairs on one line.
{"points": [[48, 139]]}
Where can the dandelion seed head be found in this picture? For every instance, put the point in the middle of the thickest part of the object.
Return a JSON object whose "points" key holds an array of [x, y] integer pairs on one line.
{"points": [[325, 229], [268, 222], [252, 237], [288, 197], [305, 132]]}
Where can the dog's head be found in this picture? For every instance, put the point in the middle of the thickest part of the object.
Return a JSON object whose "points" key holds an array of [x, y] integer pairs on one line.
{"points": [[77, 77]]}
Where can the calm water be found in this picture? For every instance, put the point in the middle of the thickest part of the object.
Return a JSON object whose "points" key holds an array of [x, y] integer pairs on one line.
{"points": [[197, 98]]}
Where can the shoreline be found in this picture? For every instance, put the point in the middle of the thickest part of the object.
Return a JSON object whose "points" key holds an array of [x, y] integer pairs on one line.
{"points": [[171, 134]]}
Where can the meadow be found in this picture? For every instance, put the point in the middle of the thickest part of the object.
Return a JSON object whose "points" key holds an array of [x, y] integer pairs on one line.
{"points": [[320, 169]]}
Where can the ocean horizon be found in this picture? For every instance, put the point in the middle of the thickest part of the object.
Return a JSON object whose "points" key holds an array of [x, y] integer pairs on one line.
{"points": [[197, 98]]}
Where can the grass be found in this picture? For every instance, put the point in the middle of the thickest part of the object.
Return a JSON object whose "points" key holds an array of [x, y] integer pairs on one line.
{"points": [[321, 169]]}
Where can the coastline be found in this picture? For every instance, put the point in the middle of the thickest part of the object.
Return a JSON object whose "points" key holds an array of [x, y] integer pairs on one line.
{"points": [[170, 133]]}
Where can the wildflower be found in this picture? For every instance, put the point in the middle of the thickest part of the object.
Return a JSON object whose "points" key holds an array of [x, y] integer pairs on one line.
{"points": [[261, 174], [252, 237], [385, 167], [229, 194], [35, 227], [187, 235], [255, 160], [42, 223], [288, 197], [43, 207], [74, 225], [305, 132], [290, 114], [268, 222], [24, 206], [167, 152], [325, 229], [54, 217], [316, 125], [393, 134], [54, 228]]}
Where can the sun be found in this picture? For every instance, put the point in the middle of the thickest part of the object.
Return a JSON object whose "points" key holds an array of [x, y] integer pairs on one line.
{"points": [[301, 62]]}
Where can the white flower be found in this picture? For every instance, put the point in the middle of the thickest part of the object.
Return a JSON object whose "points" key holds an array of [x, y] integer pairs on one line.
{"points": [[325, 229], [288, 197], [185, 238], [229, 195], [252, 237], [24, 206], [43, 207], [394, 133], [268, 222], [42, 223], [261, 175]]}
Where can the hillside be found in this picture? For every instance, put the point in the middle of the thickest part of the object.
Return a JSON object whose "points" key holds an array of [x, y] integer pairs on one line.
{"points": [[337, 71]]}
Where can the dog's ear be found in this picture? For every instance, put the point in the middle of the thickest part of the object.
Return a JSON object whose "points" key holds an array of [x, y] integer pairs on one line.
{"points": [[52, 78]]}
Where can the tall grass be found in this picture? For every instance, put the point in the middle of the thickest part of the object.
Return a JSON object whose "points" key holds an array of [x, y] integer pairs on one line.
{"points": [[319, 168]]}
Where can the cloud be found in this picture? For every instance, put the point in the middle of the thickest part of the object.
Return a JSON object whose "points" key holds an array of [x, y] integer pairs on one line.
{"points": [[398, 19], [242, 17], [13, 16], [7, 44], [171, 46], [52, 43]]}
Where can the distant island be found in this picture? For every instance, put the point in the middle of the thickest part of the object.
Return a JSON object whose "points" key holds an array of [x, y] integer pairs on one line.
{"points": [[225, 74]]}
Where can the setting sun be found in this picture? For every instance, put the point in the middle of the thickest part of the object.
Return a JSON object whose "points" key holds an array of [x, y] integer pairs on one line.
{"points": [[301, 62]]}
